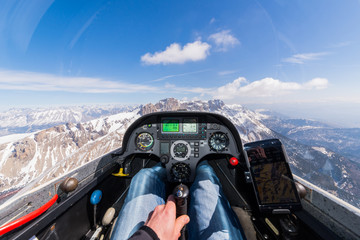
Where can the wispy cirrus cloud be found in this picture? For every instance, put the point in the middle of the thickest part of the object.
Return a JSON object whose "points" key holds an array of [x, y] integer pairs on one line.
{"points": [[341, 44], [83, 29], [178, 75], [224, 40], [226, 72], [32, 81], [304, 57], [186, 90], [176, 54]]}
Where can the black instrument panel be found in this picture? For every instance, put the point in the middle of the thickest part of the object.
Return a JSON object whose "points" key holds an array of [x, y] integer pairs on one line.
{"points": [[181, 140]]}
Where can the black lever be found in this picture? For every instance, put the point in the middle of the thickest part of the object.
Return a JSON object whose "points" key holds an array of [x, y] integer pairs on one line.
{"points": [[181, 193]]}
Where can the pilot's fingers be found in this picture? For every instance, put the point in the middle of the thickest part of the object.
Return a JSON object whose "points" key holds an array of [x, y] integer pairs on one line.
{"points": [[149, 216], [159, 208], [171, 198], [170, 204], [180, 222]]}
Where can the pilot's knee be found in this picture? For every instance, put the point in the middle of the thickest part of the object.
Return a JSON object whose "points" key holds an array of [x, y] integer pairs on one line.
{"points": [[205, 172], [155, 172], [205, 169]]}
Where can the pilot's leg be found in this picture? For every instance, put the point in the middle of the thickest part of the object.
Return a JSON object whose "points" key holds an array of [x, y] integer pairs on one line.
{"points": [[211, 216], [147, 190]]}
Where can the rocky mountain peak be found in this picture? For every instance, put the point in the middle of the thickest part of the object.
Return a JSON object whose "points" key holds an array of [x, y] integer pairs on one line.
{"points": [[216, 104], [148, 108], [168, 104], [173, 104]]}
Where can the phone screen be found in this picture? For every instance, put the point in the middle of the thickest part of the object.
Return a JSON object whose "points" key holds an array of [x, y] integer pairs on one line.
{"points": [[271, 174]]}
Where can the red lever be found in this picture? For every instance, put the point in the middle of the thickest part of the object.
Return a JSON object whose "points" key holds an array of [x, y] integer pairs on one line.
{"points": [[21, 221], [234, 161]]}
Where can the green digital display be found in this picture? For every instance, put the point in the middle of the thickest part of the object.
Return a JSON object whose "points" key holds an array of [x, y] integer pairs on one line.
{"points": [[170, 125]]}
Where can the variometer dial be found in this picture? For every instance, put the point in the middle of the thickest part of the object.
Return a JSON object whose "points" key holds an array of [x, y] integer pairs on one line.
{"points": [[218, 141], [144, 141]]}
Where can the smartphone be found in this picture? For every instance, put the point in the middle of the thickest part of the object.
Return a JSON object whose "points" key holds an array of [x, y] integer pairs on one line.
{"points": [[271, 176]]}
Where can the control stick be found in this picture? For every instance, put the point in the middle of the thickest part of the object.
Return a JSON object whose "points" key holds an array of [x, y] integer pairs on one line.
{"points": [[181, 193]]}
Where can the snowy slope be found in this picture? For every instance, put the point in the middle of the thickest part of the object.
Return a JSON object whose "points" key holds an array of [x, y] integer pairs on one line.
{"points": [[61, 148], [31, 120]]}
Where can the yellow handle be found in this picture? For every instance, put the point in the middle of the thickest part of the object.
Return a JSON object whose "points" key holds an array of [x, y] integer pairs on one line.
{"points": [[120, 173]]}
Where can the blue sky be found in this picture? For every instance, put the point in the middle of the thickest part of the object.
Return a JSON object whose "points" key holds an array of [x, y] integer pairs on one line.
{"points": [[297, 57]]}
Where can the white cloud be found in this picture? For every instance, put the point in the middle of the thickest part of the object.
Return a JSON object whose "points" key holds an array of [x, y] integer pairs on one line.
{"points": [[317, 83], [31, 81], [303, 57], [229, 90], [266, 87], [175, 54], [195, 51], [224, 40], [212, 20], [240, 87]]}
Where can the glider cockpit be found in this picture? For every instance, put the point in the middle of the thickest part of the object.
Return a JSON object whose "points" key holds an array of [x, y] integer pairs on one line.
{"points": [[255, 178]]}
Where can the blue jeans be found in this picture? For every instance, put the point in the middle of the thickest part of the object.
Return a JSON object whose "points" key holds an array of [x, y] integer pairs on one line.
{"points": [[211, 216]]}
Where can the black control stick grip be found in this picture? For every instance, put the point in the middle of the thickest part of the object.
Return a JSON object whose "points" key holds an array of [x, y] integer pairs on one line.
{"points": [[181, 193]]}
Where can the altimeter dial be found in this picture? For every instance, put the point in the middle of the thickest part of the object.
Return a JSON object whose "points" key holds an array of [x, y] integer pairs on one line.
{"points": [[180, 150], [218, 141], [144, 141]]}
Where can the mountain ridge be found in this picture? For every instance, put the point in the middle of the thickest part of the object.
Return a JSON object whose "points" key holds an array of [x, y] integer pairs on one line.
{"points": [[66, 146], [23, 120]]}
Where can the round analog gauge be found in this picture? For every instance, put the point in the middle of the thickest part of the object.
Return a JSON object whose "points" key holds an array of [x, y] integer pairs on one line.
{"points": [[144, 141], [218, 141], [180, 172], [180, 150]]}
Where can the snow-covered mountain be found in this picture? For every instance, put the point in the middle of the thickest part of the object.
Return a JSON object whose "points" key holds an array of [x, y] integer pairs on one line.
{"points": [[345, 141], [246, 122], [63, 147], [31, 120], [60, 148]]}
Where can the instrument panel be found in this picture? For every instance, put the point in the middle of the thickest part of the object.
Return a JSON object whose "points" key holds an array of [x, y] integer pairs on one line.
{"points": [[181, 140]]}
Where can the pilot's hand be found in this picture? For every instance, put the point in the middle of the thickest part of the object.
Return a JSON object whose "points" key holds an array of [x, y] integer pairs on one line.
{"points": [[163, 220]]}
